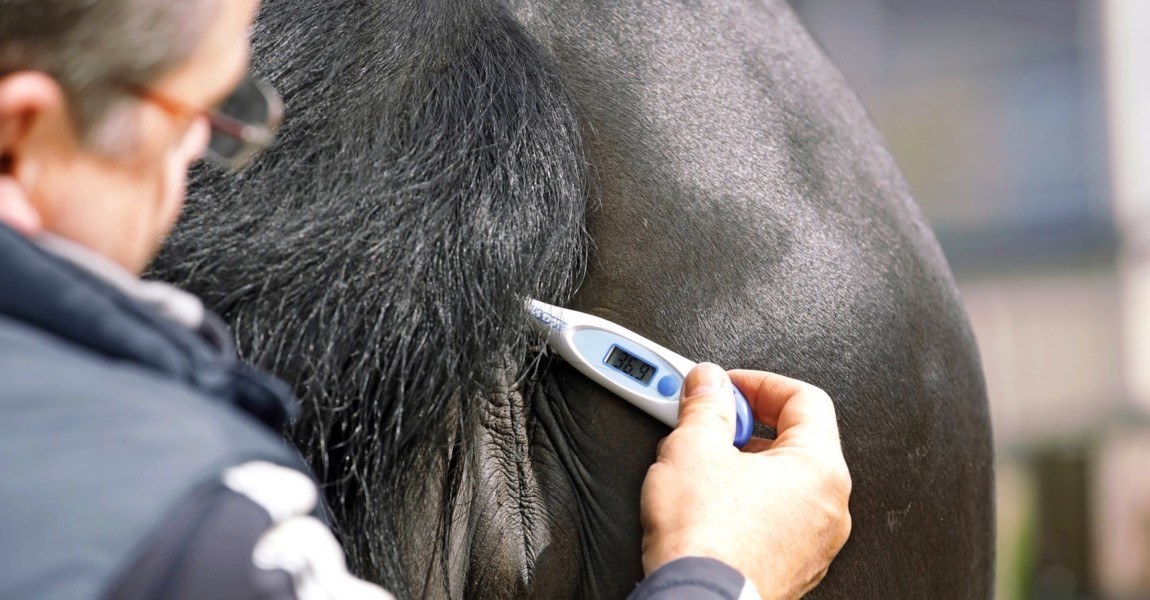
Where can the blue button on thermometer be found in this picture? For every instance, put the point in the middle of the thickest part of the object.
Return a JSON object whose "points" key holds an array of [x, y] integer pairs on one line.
{"points": [[626, 363]]}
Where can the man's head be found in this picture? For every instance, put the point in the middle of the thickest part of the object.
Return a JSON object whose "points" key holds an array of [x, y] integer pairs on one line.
{"points": [[86, 152]]}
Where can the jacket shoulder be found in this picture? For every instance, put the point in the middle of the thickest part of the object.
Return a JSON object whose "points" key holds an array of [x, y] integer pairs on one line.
{"points": [[95, 451]]}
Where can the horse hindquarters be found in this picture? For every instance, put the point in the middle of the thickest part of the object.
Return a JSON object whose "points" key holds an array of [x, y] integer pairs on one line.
{"points": [[751, 216]]}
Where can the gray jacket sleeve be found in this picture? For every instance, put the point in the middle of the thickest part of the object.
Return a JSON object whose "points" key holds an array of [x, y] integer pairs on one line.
{"points": [[695, 578], [250, 536]]}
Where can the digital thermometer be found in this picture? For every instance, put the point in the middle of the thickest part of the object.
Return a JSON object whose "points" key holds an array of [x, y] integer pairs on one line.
{"points": [[626, 363]]}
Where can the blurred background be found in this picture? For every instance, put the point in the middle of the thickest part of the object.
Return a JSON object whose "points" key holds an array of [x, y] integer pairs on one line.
{"points": [[1023, 127]]}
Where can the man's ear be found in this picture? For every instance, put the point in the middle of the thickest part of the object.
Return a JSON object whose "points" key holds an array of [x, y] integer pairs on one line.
{"points": [[27, 99], [16, 211]]}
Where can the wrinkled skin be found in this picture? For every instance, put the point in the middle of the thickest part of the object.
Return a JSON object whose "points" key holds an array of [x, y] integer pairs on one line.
{"points": [[742, 210]]}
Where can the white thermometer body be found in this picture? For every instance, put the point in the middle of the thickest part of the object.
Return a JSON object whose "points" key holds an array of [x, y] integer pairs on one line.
{"points": [[631, 366]]}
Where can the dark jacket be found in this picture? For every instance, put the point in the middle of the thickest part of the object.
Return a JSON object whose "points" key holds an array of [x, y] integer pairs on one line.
{"points": [[140, 459], [117, 426]]}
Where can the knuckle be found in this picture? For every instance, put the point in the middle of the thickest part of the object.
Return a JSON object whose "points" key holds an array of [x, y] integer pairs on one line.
{"points": [[832, 485], [821, 397], [813, 390], [814, 579], [830, 471], [682, 445], [704, 401], [845, 529], [841, 478], [847, 487], [707, 412]]}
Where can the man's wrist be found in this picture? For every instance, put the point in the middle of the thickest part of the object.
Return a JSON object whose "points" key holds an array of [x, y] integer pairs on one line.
{"points": [[696, 577]]}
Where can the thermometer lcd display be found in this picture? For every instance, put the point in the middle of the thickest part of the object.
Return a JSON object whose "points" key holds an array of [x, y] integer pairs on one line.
{"points": [[623, 361]]}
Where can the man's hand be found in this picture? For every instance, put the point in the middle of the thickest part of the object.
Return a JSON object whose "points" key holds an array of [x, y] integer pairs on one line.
{"points": [[777, 511]]}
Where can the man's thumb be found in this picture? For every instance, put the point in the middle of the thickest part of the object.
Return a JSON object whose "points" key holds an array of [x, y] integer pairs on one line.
{"points": [[708, 401]]}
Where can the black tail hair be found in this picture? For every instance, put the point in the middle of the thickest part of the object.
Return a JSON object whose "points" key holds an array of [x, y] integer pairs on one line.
{"points": [[430, 175]]}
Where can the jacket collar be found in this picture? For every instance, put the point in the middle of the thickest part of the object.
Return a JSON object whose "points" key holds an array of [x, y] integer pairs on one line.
{"points": [[99, 312], [168, 300]]}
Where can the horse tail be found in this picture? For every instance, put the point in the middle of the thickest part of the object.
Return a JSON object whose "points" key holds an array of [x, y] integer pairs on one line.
{"points": [[429, 176]]}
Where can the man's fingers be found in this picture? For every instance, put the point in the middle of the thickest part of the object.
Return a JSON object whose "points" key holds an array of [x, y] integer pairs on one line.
{"points": [[708, 402], [766, 392], [791, 407]]}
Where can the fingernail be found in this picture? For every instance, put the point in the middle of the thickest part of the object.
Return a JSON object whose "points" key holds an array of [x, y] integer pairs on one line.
{"points": [[709, 378]]}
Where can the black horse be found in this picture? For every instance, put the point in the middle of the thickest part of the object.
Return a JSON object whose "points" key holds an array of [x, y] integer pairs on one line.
{"points": [[696, 171]]}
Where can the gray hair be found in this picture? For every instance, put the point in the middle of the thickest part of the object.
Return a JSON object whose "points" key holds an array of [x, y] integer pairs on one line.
{"points": [[97, 50]]}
